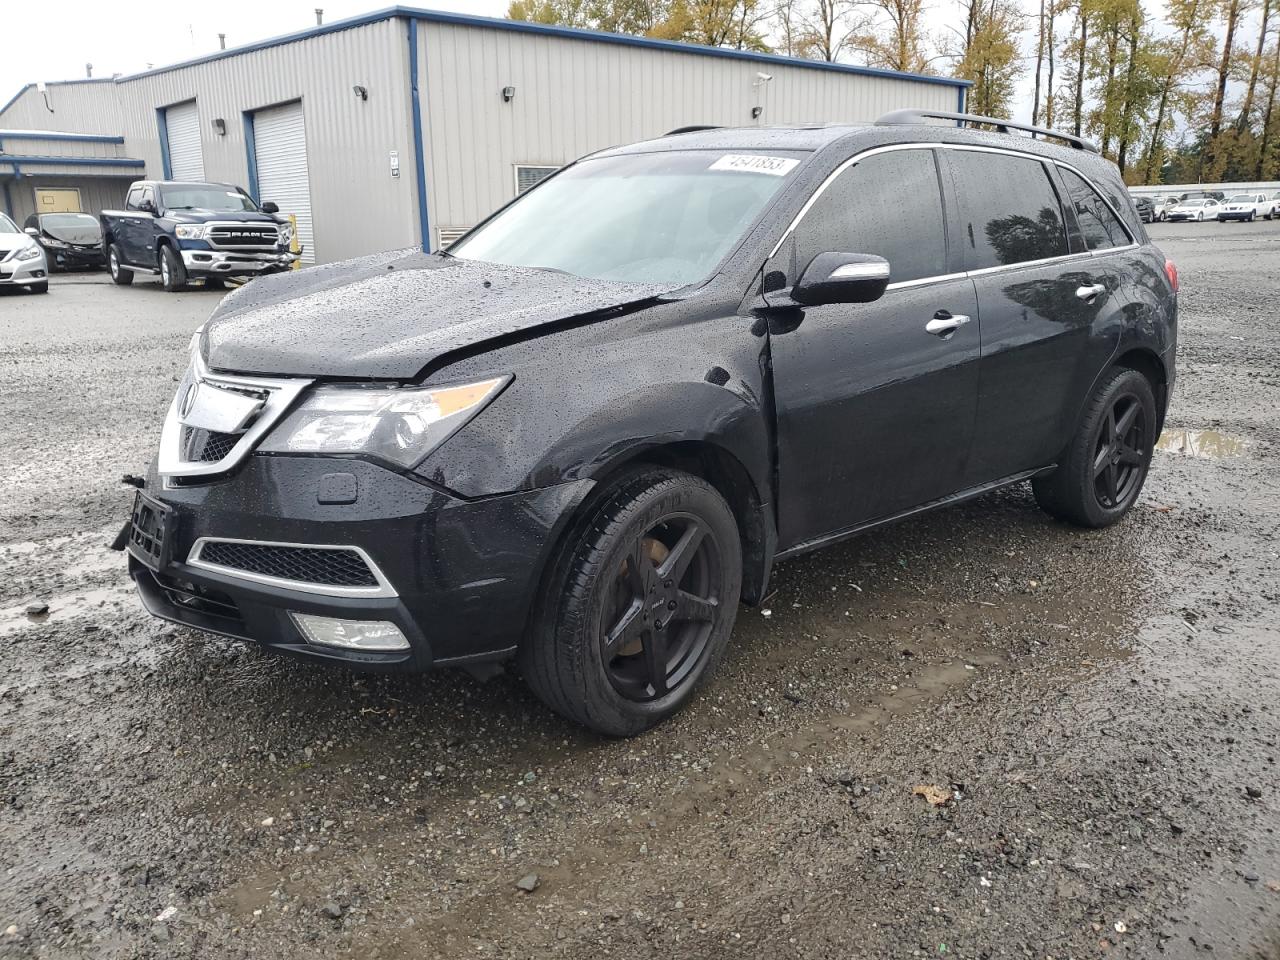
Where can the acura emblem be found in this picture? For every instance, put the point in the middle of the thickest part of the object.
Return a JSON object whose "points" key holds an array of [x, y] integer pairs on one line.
{"points": [[188, 400]]}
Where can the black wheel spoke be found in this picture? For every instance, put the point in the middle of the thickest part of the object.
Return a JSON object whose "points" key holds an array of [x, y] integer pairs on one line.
{"points": [[655, 660], [1102, 460], [1111, 478], [689, 607], [1126, 421], [682, 554], [1130, 457], [629, 628], [1109, 426]]}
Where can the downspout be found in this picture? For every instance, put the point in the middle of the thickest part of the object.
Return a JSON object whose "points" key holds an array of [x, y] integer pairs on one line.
{"points": [[419, 156]]}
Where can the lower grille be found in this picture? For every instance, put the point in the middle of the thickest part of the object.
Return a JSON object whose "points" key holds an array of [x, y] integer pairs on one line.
{"points": [[323, 566]]}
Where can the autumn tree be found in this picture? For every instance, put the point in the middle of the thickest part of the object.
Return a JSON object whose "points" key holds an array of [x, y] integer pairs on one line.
{"points": [[1268, 164], [896, 40], [1175, 61], [1215, 154], [990, 57]]}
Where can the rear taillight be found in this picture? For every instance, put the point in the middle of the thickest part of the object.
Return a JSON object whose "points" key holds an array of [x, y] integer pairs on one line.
{"points": [[1171, 272]]}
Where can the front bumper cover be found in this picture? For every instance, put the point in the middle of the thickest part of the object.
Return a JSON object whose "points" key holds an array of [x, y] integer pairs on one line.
{"points": [[17, 272], [231, 262], [465, 572]]}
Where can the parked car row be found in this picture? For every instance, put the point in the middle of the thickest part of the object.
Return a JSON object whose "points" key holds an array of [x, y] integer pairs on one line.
{"points": [[1209, 205], [177, 231]]}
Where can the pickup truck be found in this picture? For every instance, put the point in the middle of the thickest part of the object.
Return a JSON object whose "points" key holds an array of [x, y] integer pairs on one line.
{"points": [[194, 231]]}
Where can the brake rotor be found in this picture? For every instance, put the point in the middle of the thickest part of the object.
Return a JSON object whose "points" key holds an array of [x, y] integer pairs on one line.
{"points": [[657, 551]]}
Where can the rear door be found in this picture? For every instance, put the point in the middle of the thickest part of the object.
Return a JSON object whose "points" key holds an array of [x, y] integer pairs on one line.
{"points": [[875, 412], [1049, 308]]}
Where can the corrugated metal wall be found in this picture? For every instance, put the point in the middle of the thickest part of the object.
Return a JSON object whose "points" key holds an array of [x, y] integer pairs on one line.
{"points": [[71, 107], [357, 206], [575, 96], [96, 193]]}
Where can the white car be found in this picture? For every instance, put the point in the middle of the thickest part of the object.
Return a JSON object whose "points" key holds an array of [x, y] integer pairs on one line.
{"points": [[1204, 208], [1247, 207], [22, 261]]}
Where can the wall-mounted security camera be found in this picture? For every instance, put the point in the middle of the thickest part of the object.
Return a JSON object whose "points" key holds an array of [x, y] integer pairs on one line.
{"points": [[508, 94], [361, 92], [764, 77], [220, 127]]}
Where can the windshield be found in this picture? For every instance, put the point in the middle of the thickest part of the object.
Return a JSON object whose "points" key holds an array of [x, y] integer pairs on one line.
{"points": [[646, 218], [205, 196], [1193, 203], [7, 225], [1241, 199], [71, 227]]}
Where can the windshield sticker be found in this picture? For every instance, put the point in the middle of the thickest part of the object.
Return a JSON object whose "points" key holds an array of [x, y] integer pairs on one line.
{"points": [[754, 163]]}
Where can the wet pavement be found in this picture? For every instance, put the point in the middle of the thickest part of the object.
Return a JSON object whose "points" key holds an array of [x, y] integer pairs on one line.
{"points": [[1096, 715]]}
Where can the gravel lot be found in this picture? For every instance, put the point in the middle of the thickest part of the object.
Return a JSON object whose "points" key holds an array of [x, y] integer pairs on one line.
{"points": [[1102, 709]]}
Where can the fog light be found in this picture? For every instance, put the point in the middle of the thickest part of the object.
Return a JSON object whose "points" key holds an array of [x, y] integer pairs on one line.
{"points": [[370, 635]]}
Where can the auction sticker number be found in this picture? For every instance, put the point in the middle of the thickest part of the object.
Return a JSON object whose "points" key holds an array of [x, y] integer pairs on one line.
{"points": [[756, 163]]}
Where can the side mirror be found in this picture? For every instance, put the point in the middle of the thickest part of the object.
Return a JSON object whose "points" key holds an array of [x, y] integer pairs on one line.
{"points": [[270, 207], [147, 206], [842, 278], [31, 231]]}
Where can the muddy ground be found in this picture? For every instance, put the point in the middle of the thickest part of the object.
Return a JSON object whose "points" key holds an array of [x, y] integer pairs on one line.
{"points": [[1103, 709]]}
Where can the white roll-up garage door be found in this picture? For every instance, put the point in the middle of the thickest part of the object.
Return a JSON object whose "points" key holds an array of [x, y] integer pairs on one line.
{"points": [[280, 141], [186, 162]]}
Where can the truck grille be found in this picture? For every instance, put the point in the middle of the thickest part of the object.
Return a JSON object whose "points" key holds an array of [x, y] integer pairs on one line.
{"points": [[322, 566], [247, 236]]}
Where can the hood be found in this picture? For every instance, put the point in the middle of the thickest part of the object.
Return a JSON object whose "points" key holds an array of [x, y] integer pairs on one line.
{"points": [[86, 233], [390, 315], [204, 216]]}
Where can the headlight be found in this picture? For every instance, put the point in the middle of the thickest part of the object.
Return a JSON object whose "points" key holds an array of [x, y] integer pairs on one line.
{"points": [[54, 242], [190, 231], [286, 233], [28, 253], [400, 424]]}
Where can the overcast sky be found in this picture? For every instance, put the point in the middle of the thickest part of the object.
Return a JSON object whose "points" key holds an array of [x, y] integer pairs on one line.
{"points": [[54, 39]]}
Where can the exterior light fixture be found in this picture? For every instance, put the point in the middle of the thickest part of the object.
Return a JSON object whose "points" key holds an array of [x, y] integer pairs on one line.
{"points": [[220, 127], [508, 94], [361, 92]]}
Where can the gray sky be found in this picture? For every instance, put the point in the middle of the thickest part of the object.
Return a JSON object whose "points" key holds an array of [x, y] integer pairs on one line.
{"points": [[54, 39]]}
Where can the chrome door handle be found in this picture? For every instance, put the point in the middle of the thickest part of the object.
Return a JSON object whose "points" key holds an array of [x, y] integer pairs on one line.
{"points": [[1089, 293], [945, 323]]}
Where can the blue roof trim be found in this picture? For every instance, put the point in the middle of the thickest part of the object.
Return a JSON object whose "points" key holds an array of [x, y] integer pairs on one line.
{"points": [[48, 135], [523, 26], [16, 97], [15, 159]]}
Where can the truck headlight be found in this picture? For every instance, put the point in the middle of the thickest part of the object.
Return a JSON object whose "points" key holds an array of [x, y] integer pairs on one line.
{"points": [[190, 231], [400, 424], [28, 253], [286, 233]]}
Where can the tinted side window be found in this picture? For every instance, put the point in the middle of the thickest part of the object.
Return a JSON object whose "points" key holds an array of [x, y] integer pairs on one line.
{"points": [[888, 205], [1099, 225], [1009, 212]]}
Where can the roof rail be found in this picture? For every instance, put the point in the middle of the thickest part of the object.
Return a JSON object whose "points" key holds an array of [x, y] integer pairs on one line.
{"points": [[692, 129], [897, 117]]}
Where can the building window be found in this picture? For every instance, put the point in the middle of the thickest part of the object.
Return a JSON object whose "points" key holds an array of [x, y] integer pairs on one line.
{"points": [[528, 177]]}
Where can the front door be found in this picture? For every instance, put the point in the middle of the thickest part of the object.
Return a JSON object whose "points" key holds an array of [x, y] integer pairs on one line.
{"points": [[875, 412]]}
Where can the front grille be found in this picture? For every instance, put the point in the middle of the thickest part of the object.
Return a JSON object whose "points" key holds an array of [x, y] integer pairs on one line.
{"points": [[206, 446], [325, 566], [243, 236], [190, 596]]}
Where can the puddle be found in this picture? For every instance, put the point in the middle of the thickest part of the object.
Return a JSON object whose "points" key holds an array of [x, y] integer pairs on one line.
{"points": [[81, 603], [1206, 444]]}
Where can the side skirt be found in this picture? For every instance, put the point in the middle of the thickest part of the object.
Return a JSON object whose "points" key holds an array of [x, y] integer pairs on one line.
{"points": [[947, 501]]}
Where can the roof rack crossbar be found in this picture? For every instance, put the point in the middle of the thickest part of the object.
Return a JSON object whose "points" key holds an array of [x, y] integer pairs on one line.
{"points": [[897, 117], [693, 128]]}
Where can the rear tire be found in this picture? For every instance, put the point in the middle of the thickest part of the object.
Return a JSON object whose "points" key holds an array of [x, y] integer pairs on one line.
{"points": [[639, 604], [119, 274], [1104, 467], [214, 283], [173, 274]]}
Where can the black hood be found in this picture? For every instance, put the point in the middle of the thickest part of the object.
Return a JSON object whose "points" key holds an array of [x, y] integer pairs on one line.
{"points": [[88, 232], [390, 315]]}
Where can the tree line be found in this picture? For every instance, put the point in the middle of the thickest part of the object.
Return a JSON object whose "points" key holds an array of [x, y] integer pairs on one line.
{"points": [[1190, 96]]}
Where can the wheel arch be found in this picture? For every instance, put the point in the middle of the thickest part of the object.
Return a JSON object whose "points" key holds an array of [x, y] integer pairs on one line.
{"points": [[1148, 363]]}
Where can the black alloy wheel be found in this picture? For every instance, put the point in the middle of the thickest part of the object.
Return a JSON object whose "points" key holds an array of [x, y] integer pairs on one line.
{"points": [[1102, 470], [1120, 456], [665, 604], [638, 602]]}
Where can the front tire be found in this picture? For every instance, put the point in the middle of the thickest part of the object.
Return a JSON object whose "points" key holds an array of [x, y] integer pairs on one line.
{"points": [[173, 274], [1103, 469], [41, 287], [640, 603], [119, 275]]}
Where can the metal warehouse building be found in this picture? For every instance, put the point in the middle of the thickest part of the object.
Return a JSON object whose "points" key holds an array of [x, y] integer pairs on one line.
{"points": [[405, 126]]}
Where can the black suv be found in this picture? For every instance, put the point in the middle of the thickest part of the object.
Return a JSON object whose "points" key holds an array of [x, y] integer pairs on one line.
{"points": [[586, 431]]}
